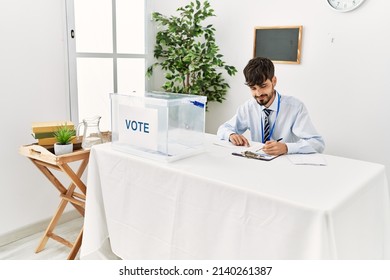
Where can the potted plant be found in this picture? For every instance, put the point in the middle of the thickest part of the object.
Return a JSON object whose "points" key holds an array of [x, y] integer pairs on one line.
{"points": [[64, 136], [188, 53]]}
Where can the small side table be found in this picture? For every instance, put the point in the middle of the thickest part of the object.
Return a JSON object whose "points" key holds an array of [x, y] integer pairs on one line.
{"points": [[45, 160]]}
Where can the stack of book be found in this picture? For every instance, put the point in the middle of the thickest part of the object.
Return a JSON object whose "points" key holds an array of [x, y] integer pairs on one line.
{"points": [[43, 132]]}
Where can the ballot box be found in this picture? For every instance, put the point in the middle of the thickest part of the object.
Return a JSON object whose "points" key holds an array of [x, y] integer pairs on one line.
{"points": [[158, 125]]}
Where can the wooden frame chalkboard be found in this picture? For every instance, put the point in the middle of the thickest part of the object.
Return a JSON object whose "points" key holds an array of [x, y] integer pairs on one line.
{"points": [[281, 44]]}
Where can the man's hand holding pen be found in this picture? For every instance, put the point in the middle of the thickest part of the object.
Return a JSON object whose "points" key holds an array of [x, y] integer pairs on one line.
{"points": [[275, 148]]}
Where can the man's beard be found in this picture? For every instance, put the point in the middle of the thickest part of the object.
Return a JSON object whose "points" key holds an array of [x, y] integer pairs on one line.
{"points": [[265, 100]]}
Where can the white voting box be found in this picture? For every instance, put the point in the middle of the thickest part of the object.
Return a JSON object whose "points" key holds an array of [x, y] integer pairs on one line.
{"points": [[162, 126]]}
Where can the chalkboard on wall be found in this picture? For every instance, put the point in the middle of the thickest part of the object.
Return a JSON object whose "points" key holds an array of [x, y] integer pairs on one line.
{"points": [[281, 44]]}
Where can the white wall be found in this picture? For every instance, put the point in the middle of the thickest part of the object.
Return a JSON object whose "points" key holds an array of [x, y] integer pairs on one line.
{"points": [[33, 83], [338, 81], [343, 71]]}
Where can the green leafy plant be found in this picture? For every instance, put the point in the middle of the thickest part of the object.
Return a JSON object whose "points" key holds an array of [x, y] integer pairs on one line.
{"points": [[64, 135], [187, 53]]}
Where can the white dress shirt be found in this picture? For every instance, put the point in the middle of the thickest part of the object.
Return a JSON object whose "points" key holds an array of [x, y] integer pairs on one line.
{"points": [[291, 122]]}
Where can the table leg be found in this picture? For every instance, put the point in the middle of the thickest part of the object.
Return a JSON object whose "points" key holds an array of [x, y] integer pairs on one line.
{"points": [[67, 195], [76, 247], [45, 170], [49, 230]]}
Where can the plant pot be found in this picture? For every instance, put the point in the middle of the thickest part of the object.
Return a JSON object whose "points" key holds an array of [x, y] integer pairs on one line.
{"points": [[60, 149]]}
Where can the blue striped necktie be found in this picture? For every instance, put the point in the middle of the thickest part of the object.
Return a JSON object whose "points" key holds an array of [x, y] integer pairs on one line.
{"points": [[266, 125]]}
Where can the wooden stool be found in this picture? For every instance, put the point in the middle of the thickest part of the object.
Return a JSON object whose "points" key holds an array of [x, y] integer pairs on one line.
{"points": [[45, 160]]}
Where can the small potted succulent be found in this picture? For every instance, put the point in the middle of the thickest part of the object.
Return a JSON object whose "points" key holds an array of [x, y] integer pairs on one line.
{"points": [[64, 136]]}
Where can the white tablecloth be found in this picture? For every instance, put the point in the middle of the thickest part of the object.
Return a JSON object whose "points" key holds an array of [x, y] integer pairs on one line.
{"points": [[218, 206]]}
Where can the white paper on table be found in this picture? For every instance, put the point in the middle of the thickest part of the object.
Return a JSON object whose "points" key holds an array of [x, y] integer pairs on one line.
{"points": [[307, 159], [253, 146]]}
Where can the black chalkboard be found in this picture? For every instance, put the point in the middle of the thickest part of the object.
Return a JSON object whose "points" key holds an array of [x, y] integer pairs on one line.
{"points": [[281, 44]]}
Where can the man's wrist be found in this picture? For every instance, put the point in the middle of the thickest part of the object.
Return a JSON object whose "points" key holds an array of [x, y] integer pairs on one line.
{"points": [[231, 135]]}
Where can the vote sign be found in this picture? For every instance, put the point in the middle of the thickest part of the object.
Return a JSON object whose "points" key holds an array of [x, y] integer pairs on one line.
{"points": [[138, 126]]}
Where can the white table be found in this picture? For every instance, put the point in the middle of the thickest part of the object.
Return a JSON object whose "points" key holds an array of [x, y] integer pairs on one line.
{"points": [[218, 206]]}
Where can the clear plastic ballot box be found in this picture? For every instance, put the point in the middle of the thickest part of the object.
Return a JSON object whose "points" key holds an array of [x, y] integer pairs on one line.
{"points": [[161, 126]]}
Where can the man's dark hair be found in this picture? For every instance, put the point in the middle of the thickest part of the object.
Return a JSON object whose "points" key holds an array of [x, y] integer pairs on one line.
{"points": [[258, 70]]}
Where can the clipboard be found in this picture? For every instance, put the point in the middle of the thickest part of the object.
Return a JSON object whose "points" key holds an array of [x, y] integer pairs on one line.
{"points": [[252, 155], [247, 152]]}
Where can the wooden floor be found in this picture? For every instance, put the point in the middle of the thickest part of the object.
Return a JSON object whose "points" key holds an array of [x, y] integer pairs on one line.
{"points": [[24, 249]]}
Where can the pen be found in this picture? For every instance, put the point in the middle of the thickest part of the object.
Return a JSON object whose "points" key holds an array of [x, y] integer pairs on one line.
{"points": [[238, 154], [280, 139]]}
